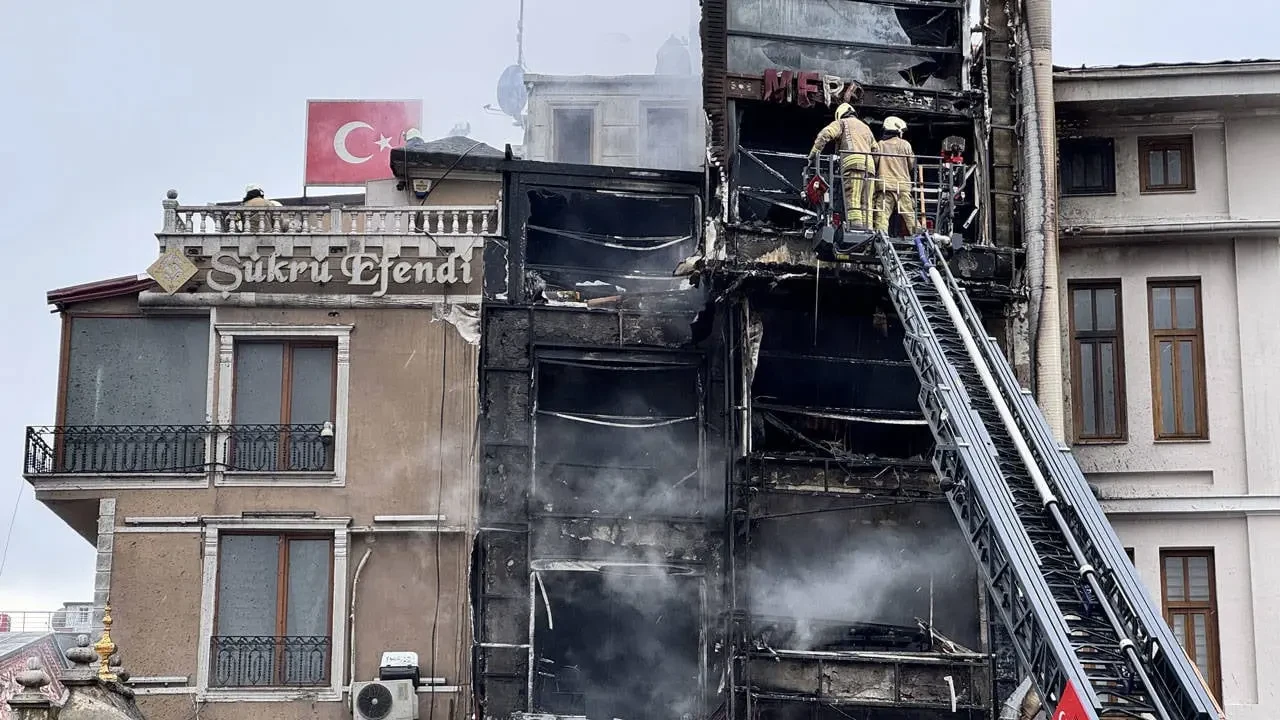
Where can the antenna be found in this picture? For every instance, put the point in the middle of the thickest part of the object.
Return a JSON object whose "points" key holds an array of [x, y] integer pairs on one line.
{"points": [[520, 37]]}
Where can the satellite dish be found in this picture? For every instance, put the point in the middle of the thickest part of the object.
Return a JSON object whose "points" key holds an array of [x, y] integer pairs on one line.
{"points": [[512, 94]]}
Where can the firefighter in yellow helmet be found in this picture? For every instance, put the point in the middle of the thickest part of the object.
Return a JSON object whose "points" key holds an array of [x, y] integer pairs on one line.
{"points": [[856, 142], [896, 166]]}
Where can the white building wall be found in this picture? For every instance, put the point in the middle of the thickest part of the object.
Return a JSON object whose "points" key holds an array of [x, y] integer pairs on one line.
{"points": [[1223, 492]]}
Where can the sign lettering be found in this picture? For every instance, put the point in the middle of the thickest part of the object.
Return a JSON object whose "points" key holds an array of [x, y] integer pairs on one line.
{"points": [[807, 89], [228, 271]]}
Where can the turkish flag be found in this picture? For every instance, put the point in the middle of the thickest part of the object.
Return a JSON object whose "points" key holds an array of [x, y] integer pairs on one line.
{"points": [[350, 141], [1070, 707]]}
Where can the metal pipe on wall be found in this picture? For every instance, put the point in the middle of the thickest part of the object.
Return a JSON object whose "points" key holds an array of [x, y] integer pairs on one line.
{"points": [[1041, 217]]}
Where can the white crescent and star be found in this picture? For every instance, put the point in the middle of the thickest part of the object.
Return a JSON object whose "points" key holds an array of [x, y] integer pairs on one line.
{"points": [[340, 142]]}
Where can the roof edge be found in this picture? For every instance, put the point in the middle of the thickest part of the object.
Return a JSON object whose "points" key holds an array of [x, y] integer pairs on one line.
{"points": [[1166, 70], [100, 290]]}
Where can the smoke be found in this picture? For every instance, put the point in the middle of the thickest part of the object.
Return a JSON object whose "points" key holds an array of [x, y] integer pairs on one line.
{"points": [[878, 565]]}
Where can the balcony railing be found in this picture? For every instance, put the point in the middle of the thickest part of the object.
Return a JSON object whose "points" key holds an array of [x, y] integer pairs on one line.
{"points": [[265, 661], [436, 221], [78, 620], [177, 449]]}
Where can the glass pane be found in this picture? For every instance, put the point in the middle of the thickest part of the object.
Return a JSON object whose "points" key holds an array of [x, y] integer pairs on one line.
{"points": [[1174, 588], [1075, 171], [1161, 312], [1200, 635], [573, 134], [1180, 629], [1093, 170], [1083, 310], [248, 566], [1187, 387], [1105, 301], [1088, 393], [1184, 305], [1155, 168], [1108, 391], [257, 378], [1173, 161], [311, 399], [1198, 578], [308, 605], [1164, 361]]}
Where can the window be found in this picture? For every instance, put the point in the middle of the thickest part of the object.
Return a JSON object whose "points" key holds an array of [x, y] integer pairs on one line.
{"points": [[1191, 608], [573, 130], [1097, 365], [284, 395], [1087, 166], [84, 614], [1166, 164], [1177, 360], [272, 623], [666, 137]]}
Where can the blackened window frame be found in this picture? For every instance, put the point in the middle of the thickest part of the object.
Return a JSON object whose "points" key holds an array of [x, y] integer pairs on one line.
{"points": [[1183, 144], [1175, 335], [1083, 149], [1094, 338]]}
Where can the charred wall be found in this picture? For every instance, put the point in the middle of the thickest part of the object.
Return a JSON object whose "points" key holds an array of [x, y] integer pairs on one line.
{"points": [[597, 559]]}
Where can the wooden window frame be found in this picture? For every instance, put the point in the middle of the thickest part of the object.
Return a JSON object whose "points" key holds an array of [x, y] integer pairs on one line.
{"points": [[1079, 338], [1209, 607], [1070, 147], [1183, 143], [286, 385], [1175, 335], [283, 539]]}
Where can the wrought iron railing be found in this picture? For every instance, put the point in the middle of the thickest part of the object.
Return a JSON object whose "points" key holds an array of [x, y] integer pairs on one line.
{"points": [[266, 661], [278, 448], [177, 449]]}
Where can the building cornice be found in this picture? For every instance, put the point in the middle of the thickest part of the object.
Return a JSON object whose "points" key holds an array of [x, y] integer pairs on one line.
{"points": [[1198, 505]]}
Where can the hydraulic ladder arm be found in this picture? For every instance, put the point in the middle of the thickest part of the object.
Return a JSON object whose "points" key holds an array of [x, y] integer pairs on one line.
{"points": [[1080, 621]]}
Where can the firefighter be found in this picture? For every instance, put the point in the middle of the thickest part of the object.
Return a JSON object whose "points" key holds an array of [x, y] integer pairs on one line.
{"points": [[895, 166], [255, 197], [855, 143]]}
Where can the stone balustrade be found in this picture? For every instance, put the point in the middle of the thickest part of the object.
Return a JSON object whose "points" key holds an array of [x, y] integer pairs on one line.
{"points": [[430, 220]]}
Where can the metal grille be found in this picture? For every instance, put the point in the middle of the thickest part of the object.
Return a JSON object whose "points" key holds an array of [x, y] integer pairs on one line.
{"points": [[265, 661], [176, 449]]}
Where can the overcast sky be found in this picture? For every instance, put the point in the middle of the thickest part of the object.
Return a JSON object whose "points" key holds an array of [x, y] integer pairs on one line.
{"points": [[109, 104]]}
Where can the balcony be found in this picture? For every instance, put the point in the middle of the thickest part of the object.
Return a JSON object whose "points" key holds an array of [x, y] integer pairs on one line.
{"points": [[244, 661], [176, 450], [442, 221]]}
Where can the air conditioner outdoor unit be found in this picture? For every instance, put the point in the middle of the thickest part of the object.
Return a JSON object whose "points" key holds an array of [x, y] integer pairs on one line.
{"points": [[384, 700]]}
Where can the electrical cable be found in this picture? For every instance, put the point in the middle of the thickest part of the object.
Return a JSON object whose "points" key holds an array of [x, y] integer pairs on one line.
{"points": [[435, 621], [13, 518]]}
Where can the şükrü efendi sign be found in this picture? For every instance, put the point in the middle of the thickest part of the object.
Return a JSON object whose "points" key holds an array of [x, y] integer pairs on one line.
{"points": [[228, 271]]}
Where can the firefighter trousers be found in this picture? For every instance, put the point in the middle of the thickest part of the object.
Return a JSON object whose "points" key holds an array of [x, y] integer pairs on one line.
{"points": [[854, 174], [892, 196]]}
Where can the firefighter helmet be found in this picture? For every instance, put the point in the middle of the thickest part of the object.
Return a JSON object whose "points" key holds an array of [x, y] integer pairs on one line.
{"points": [[894, 124], [844, 110]]}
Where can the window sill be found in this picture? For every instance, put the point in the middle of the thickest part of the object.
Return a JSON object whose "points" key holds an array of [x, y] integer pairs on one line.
{"points": [[280, 479], [323, 694], [1170, 191], [1102, 441], [1178, 441], [1090, 193]]}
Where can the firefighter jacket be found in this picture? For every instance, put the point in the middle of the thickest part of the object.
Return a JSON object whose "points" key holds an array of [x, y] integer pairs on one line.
{"points": [[896, 163], [261, 202], [854, 137]]}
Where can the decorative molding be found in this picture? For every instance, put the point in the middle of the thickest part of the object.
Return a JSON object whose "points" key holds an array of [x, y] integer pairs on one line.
{"points": [[60, 482], [158, 520], [408, 518], [189, 524], [1200, 506], [214, 524], [251, 299], [158, 680], [227, 334], [404, 529]]}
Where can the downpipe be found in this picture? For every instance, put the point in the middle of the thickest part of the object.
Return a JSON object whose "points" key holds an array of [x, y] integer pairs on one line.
{"points": [[1042, 174], [1047, 498]]}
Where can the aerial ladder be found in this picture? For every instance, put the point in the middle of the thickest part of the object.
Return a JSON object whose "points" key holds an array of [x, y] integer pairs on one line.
{"points": [[1081, 623]]}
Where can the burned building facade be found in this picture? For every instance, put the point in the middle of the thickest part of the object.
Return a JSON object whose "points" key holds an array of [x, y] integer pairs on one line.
{"points": [[708, 493], [739, 464]]}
